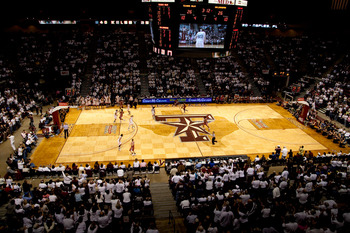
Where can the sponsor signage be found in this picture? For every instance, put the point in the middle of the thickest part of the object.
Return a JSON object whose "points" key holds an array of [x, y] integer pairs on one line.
{"points": [[180, 100]]}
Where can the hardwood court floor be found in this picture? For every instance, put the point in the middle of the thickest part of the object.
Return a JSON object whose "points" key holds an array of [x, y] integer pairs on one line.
{"points": [[241, 129]]}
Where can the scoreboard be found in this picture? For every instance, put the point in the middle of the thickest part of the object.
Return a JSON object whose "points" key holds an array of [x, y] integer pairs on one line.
{"points": [[194, 25]]}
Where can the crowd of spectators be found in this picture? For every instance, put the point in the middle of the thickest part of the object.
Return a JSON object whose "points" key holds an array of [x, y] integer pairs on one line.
{"points": [[6, 68], [171, 76], [318, 55], [58, 57], [310, 194], [337, 133], [223, 77], [34, 52], [19, 100], [72, 201], [251, 51], [72, 56], [300, 57], [116, 65], [233, 195], [322, 53], [339, 136], [331, 94]]}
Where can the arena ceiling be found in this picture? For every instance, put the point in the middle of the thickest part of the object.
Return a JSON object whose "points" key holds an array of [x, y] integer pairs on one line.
{"points": [[269, 11]]}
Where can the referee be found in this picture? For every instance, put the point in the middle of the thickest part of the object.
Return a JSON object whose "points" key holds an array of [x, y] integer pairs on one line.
{"points": [[213, 139], [65, 128]]}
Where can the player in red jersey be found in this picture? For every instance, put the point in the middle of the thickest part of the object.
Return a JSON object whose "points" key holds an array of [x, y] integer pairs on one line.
{"points": [[205, 123], [132, 147], [184, 107], [176, 102], [121, 114]]}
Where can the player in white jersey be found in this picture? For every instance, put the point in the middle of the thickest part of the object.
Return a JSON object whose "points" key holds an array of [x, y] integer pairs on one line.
{"points": [[200, 38], [128, 108], [153, 110], [115, 115], [120, 141], [131, 122]]}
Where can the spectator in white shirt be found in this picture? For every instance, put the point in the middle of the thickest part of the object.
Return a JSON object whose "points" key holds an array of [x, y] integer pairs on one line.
{"points": [[42, 185], [103, 220], [93, 227], [67, 179], [68, 222]]}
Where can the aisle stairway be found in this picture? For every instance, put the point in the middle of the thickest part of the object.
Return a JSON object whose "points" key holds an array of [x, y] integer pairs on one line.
{"points": [[86, 82], [201, 88], [3, 213], [143, 63], [144, 85], [3, 219], [163, 202], [256, 91]]}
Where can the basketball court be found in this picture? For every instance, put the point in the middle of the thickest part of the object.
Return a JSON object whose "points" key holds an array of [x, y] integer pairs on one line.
{"points": [[240, 129]]}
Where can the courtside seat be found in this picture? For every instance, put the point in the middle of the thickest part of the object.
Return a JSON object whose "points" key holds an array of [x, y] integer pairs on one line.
{"points": [[88, 173], [102, 173], [137, 170], [150, 169], [75, 171], [156, 169], [54, 173], [115, 171], [148, 210], [96, 172]]}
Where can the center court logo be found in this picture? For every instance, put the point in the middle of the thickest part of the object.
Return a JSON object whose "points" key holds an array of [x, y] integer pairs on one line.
{"points": [[189, 125]]}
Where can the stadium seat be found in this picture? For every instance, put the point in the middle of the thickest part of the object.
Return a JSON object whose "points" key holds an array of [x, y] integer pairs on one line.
{"points": [[137, 170], [88, 173], [156, 169]]}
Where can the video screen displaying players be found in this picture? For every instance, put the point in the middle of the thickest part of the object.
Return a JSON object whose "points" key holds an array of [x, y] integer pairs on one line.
{"points": [[202, 35]]}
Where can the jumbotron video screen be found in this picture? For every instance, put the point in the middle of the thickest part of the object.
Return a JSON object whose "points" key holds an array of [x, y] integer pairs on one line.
{"points": [[192, 35], [203, 27]]}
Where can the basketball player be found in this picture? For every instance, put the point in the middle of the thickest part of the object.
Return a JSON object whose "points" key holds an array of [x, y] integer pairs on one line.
{"points": [[132, 147], [115, 115], [184, 107], [131, 122], [200, 38], [128, 108], [176, 102], [120, 141], [205, 123], [153, 110], [121, 114]]}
